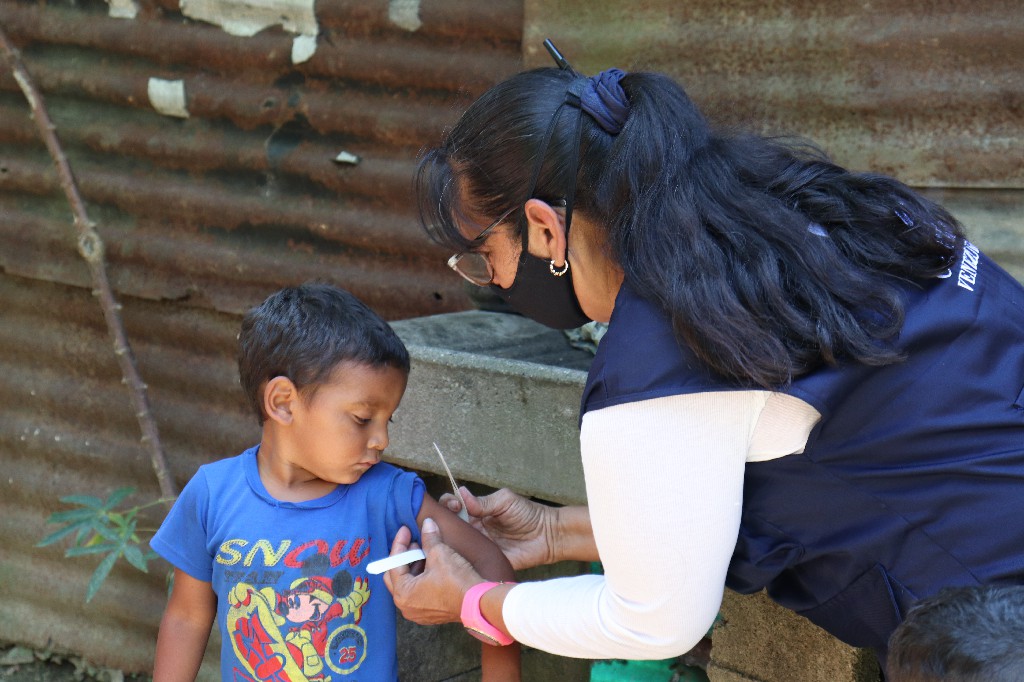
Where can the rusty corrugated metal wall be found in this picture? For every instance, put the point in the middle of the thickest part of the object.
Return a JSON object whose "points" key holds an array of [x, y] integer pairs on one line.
{"points": [[221, 207], [202, 217], [930, 92]]}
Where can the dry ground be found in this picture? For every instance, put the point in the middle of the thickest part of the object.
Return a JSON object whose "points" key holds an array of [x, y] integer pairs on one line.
{"points": [[19, 664]]}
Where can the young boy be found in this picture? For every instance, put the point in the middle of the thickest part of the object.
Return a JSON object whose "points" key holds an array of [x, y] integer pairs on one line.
{"points": [[275, 542], [961, 634]]}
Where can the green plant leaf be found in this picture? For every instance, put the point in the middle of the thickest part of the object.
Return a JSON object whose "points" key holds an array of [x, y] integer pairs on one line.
{"points": [[99, 575], [135, 557], [84, 500], [106, 532], [72, 515], [120, 522], [85, 530], [56, 535], [100, 529], [118, 496], [80, 550]]}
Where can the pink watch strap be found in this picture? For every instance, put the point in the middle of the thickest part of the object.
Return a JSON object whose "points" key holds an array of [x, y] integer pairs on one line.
{"points": [[474, 621]]}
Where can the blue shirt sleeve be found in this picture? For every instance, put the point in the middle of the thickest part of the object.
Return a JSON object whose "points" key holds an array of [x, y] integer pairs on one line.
{"points": [[407, 492], [182, 537]]}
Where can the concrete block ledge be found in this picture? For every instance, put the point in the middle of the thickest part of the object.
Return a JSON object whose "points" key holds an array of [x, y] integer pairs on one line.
{"points": [[757, 640], [500, 396]]}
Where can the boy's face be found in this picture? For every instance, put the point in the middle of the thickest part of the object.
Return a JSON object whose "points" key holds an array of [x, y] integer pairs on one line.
{"points": [[341, 430]]}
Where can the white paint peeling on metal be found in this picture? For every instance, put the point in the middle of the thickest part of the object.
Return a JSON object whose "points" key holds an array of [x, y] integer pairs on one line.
{"points": [[405, 14], [346, 157], [303, 47], [249, 17], [122, 9], [168, 97]]}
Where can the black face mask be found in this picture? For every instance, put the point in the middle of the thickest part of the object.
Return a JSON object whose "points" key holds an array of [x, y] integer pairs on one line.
{"points": [[537, 294]]}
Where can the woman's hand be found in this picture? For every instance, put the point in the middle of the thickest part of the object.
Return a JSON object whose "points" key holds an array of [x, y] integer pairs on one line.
{"points": [[526, 531], [435, 595]]}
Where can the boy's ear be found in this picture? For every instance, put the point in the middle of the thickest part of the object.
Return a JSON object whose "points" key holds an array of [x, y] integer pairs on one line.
{"points": [[279, 396]]}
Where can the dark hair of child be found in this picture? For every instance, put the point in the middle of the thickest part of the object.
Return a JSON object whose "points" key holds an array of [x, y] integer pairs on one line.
{"points": [[304, 333], [961, 634]]}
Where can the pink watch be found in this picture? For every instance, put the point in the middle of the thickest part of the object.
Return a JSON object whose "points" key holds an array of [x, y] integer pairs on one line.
{"points": [[474, 620]]}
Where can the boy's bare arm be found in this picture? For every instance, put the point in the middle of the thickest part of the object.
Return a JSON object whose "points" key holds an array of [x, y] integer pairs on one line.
{"points": [[184, 629], [486, 557], [498, 663]]}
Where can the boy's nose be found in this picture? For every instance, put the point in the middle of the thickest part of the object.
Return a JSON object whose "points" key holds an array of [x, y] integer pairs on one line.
{"points": [[379, 441]]}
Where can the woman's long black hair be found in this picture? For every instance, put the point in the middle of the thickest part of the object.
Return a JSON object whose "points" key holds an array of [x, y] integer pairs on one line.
{"points": [[770, 259]]}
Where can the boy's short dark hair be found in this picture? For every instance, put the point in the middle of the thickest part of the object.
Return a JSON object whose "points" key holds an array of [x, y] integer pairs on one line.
{"points": [[961, 634], [304, 332]]}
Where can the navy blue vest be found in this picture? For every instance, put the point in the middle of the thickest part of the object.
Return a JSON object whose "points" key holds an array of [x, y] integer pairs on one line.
{"points": [[914, 477]]}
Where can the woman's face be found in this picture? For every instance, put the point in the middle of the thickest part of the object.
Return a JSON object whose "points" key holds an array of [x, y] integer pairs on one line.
{"points": [[596, 279], [501, 250]]}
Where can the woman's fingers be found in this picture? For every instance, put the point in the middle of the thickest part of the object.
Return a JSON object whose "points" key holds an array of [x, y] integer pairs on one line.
{"points": [[435, 595], [450, 502], [401, 543], [454, 504], [417, 566], [473, 505], [503, 504], [489, 505]]}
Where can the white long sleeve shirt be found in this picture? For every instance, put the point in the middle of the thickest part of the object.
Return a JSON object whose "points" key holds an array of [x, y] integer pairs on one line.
{"points": [[664, 482]]}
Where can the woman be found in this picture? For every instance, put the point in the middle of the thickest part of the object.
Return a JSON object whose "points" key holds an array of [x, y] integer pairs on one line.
{"points": [[811, 382]]}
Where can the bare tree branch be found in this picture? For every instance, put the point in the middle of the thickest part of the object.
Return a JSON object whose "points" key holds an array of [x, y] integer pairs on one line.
{"points": [[90, 245]]}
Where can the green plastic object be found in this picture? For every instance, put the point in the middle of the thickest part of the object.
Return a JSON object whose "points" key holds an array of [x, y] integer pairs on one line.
{"points": [[644, 671]]}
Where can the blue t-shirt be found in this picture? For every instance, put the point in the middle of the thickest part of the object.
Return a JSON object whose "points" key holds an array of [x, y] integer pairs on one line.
{"points": [[294, 600]]}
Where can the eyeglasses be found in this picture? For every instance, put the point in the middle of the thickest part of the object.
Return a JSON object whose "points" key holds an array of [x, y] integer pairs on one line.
{"points": [[474, 267]]}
